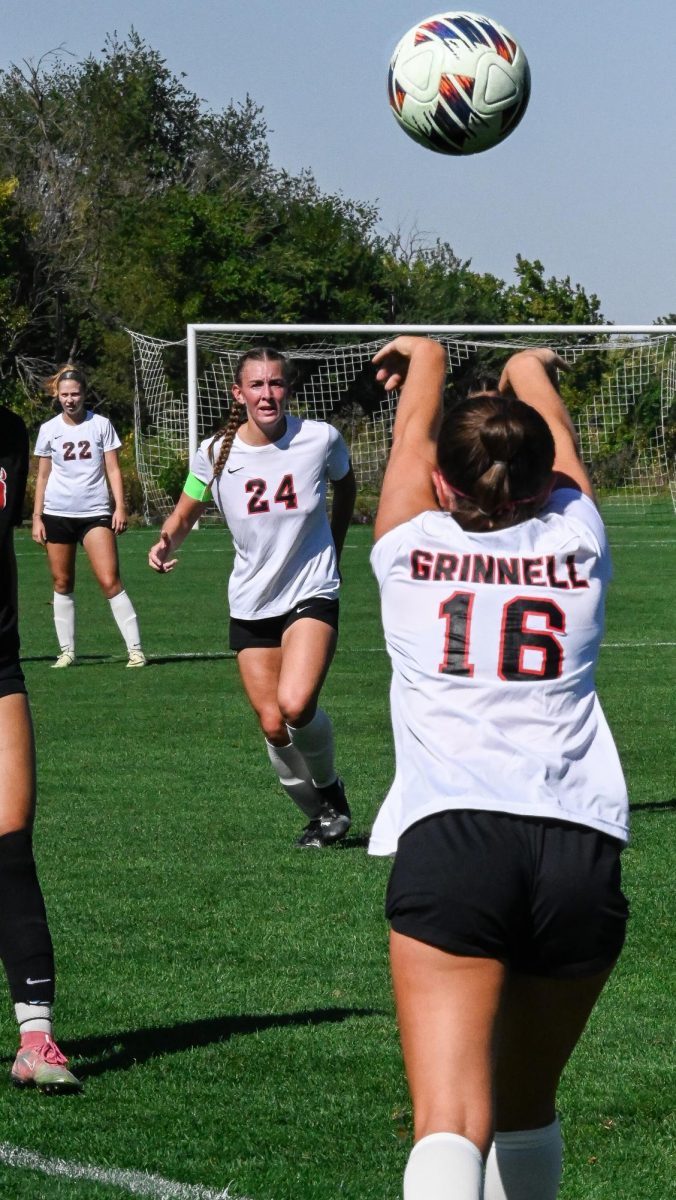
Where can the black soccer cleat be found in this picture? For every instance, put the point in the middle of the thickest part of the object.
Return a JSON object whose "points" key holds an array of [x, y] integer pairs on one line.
{"points": [[333, 821], [334, 797]]}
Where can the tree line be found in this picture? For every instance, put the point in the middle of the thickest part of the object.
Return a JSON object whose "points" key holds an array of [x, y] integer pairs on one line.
{"points": [[124, 203]]}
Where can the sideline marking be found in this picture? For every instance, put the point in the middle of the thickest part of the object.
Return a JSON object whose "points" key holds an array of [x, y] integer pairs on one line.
{"points": [[138, 1183]]}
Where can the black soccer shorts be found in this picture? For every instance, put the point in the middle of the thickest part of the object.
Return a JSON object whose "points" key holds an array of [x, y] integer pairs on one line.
{"points": [[542, 896], [268, 632], [68, 531]]}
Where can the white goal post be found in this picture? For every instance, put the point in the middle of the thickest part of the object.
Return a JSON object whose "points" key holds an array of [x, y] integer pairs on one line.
{"points": [[621, 391]]}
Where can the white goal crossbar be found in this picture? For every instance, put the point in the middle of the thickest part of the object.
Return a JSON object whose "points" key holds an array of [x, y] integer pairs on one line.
{"points": [[621, 389]]}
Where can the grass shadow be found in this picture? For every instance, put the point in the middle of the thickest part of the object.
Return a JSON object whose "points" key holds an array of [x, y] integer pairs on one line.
{"points": [[654, 806], [118, 1051]]}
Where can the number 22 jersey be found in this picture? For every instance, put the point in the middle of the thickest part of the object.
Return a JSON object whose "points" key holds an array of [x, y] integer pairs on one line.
{"points": [[77, 484], [494, 639], [273, 498]]}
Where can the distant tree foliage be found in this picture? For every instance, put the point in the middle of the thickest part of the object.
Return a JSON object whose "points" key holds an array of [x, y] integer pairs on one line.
{"points": [[125, 203]]}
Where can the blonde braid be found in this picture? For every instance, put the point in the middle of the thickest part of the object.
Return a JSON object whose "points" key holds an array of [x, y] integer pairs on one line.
{"points": [[227, 432]]}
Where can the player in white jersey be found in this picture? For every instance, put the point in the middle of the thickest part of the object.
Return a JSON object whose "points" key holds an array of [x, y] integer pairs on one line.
{"points": [[509, 809], [268, 477], [77, 450]]}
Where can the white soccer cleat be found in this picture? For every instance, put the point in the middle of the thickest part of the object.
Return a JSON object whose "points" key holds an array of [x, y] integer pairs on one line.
{"points": [[65, 659], [137, 659]]}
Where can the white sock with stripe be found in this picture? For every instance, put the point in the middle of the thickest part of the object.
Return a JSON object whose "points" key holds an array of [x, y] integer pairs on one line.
{"points": [[34, 1018], [295, 778], [315, 743]]}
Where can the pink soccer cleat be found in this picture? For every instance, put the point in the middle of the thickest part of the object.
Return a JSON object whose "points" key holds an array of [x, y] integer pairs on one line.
{"points": [[40, 1064]]}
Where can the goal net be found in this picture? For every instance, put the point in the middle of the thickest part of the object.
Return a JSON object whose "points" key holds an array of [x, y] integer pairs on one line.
{"points": [[620, 389]]}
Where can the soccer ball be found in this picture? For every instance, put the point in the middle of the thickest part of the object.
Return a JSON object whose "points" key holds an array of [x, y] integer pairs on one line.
{"points": [[458, 83]]}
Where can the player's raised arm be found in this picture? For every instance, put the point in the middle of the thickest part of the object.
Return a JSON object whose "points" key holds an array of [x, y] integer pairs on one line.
{"points": [[418, 366], [533, 376]]}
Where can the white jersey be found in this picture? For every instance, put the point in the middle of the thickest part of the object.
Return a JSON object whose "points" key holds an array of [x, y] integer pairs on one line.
{"points": [[494, 639], [77, 485], [273, 499]]}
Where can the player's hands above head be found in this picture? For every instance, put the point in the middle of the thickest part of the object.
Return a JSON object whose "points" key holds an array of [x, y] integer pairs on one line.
{"points": [[549, 359], [157, 555], [393, 359]]}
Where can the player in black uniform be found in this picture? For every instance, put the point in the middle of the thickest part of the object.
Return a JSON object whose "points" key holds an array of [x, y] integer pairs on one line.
{"points": [[25, 942]]}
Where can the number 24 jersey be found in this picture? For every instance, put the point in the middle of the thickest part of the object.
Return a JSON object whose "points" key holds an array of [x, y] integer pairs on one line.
{"points": [[494, 639], [273, 499]]}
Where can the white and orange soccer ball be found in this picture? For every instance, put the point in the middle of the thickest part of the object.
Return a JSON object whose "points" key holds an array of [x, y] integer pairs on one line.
{"points": [[458, 83]]}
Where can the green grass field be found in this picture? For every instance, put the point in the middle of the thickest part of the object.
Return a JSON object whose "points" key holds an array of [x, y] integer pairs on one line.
{"points": [[226, 997]]}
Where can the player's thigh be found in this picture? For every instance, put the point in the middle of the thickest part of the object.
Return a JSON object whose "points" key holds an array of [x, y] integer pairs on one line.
{"points": [[308, 647], [447, 1007], [101, 549], [61, 559], [259, 668], [540, 1023], [17, 763]]}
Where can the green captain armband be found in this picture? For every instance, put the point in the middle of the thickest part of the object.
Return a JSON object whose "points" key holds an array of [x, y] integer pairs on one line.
{"points": [[197, 490]]}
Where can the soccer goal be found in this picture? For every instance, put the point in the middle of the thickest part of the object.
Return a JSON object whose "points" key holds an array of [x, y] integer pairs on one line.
{"points": [[620, 389]]}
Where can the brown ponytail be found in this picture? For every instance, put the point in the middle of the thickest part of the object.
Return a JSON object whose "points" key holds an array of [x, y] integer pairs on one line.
{"points": [[496, 454]]}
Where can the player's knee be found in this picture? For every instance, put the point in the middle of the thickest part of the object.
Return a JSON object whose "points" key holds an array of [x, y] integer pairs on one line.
{"points": [[296, 706], [63, 584], [110, 585], [475, 1124], [273, 726]]}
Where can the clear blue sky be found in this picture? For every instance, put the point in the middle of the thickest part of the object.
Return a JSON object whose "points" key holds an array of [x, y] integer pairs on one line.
{"points": [[587, 182]]}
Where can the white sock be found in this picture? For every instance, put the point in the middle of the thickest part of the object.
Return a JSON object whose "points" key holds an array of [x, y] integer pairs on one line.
{"points": [[295, 778], [443, 1166], [315, 743], [127, 621], [64, 620], [34, 1018], [525, 1164]]}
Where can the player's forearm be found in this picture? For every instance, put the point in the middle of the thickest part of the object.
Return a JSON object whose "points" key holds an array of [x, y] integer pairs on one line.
{"points": [[40, 488], [533, 380], [117, 488], [420, 406], [342, 508]]}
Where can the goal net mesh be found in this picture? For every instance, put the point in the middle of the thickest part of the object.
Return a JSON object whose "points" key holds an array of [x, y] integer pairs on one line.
{"points": [[620, 390]]}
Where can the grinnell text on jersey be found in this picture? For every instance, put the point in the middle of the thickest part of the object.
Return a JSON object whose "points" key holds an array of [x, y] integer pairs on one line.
{"points": [[541, 571]]}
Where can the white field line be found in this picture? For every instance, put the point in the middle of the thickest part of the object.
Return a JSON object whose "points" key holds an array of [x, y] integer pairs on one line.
{"points": [[353, 546], [381, 650], [137, 1183]]}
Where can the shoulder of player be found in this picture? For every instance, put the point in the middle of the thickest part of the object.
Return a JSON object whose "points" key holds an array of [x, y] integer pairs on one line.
{"points": [[306, 430], [98, 419]]}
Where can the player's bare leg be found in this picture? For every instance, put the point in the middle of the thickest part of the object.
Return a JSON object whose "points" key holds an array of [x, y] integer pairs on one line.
{"points": [[285, 680], [17, 765], [447, 1008], [540, 1023], [101, 549], [25, 943]]}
